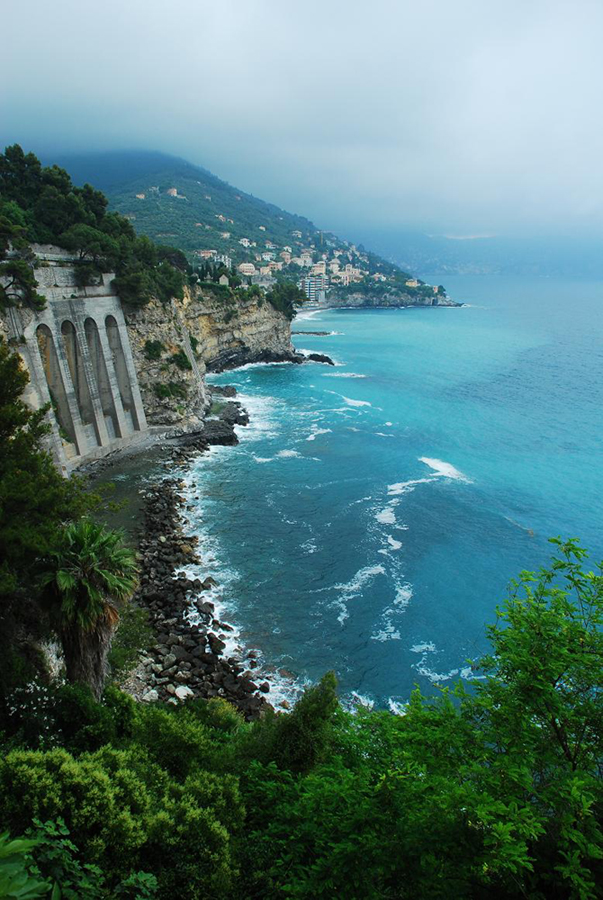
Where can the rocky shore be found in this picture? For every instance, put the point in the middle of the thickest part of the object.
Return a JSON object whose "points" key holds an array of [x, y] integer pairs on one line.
{"points": [[188, 658]]}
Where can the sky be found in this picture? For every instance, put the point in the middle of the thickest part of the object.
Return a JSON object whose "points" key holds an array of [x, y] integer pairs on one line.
{"points": [[456, 117]]}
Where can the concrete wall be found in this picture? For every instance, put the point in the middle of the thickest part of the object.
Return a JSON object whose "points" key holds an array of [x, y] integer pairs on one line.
{"points": [[79, 358]]}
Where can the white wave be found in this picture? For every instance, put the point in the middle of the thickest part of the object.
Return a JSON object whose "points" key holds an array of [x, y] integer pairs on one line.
{"points": [[387, 516], [426, 647], [356, 699], [381, 434], [397, 707], [309, 546], [303, 315], [388, 629], [405, 487], [388, 633], [354, 587], [264, 459], [342, 375], [264, 415], [403, 595], [389, 424], [444, 469], [436, 677], [288, 454], [349, 400], [394, 544], [316, 432], [352, 402]]}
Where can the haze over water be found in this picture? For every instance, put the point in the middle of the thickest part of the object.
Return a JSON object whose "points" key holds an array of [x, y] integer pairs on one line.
{"points": [[374, 513]]}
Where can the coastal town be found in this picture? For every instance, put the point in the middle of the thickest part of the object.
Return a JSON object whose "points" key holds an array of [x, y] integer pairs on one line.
{"points": [[321, 264]]}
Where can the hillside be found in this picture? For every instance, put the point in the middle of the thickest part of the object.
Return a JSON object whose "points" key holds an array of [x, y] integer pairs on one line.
{"points": [[183, 205]]}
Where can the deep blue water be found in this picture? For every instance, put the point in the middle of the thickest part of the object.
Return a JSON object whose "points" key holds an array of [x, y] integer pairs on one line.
{"points": [[372, 516]]}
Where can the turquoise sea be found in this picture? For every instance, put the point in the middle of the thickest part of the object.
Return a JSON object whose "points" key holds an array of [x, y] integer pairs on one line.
{"points": [[374, 513]]}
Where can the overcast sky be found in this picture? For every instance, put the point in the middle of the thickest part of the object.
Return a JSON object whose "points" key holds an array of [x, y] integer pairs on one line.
{"points": [[450, 116]]}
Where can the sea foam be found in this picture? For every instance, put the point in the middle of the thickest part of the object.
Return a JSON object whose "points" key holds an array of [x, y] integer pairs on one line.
{"points": [[443, 469]]}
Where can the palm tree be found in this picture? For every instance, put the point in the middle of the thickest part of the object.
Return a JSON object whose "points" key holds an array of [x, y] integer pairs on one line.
{"points": [[87, 576]]}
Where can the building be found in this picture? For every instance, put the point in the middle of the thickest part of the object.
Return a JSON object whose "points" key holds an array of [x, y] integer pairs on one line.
{"points": [[412, 282], [208, 254], [173, 192], [247, 269], [225, 235], [268, 257], [305, 259], [262, 227], [224, 259], [285, 256], [245, 242], [287, 249], [296, 234], [319, 268], [140, 196], [223, 279], [314, 287]]}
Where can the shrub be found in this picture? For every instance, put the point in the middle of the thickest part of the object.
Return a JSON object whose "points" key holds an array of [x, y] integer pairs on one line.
{"points": [[181, 360], [133, 635], [170, 390], [153, 350]]}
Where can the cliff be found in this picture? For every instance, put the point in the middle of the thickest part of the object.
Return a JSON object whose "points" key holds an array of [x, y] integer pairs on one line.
{"points": [[370, 299], [112, 375], [174, 345]]}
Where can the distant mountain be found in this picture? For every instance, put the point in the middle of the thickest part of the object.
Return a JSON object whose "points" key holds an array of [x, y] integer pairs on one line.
{"points": [[182, 205], [569, 256], [141, 185]]}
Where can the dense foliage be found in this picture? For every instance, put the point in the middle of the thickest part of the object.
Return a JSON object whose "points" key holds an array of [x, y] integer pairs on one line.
{"points": [[488, 792], [41, 204]]}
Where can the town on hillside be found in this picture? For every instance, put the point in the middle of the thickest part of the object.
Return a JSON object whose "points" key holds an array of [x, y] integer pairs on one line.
{"points": [[321, 264]]}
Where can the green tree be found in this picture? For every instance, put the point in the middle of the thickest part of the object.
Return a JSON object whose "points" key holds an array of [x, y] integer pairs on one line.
{"points": [[35, 500], [286, 297], [87, 575]]}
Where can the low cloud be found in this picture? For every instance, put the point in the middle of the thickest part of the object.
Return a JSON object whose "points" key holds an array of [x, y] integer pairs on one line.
{"points": [[456, 117]]}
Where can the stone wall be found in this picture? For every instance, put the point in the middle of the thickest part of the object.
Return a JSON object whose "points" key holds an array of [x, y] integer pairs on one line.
{"points": [[109, 373]]}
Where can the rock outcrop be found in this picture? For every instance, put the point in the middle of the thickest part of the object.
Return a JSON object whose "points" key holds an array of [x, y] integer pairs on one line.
{"points": [[175, 344], [366, 299]]}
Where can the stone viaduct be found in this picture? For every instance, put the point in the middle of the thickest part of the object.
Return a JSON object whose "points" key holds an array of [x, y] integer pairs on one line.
{"points": [[78, 354]]}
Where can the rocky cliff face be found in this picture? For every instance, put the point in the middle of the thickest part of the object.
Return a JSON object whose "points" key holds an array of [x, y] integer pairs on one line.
{"points": [[174, 345], [361, 299]]}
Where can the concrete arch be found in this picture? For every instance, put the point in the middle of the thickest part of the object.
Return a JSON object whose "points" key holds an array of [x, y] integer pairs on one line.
{"points": [[99, 368], [56, 386], [121, 372], [75, 361]]}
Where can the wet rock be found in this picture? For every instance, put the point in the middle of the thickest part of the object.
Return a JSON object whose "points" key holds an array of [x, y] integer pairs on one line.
{"points": [[320, 358]]}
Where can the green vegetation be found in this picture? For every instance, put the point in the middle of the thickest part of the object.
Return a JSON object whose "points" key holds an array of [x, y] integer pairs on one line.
{"points": [[490, 790], [86, 576], [40, 204], [286, 297], [183, 221], [171, 389], [181, 360], [153, 350]]}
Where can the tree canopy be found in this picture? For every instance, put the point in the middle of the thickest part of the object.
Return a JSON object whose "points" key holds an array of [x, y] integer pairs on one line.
{"points": [[41, 204]]}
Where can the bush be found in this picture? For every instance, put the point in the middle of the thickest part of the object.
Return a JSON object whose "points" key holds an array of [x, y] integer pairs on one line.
{"points": [[133, 635], [153, 350], [181, 360], [170, 390]]}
